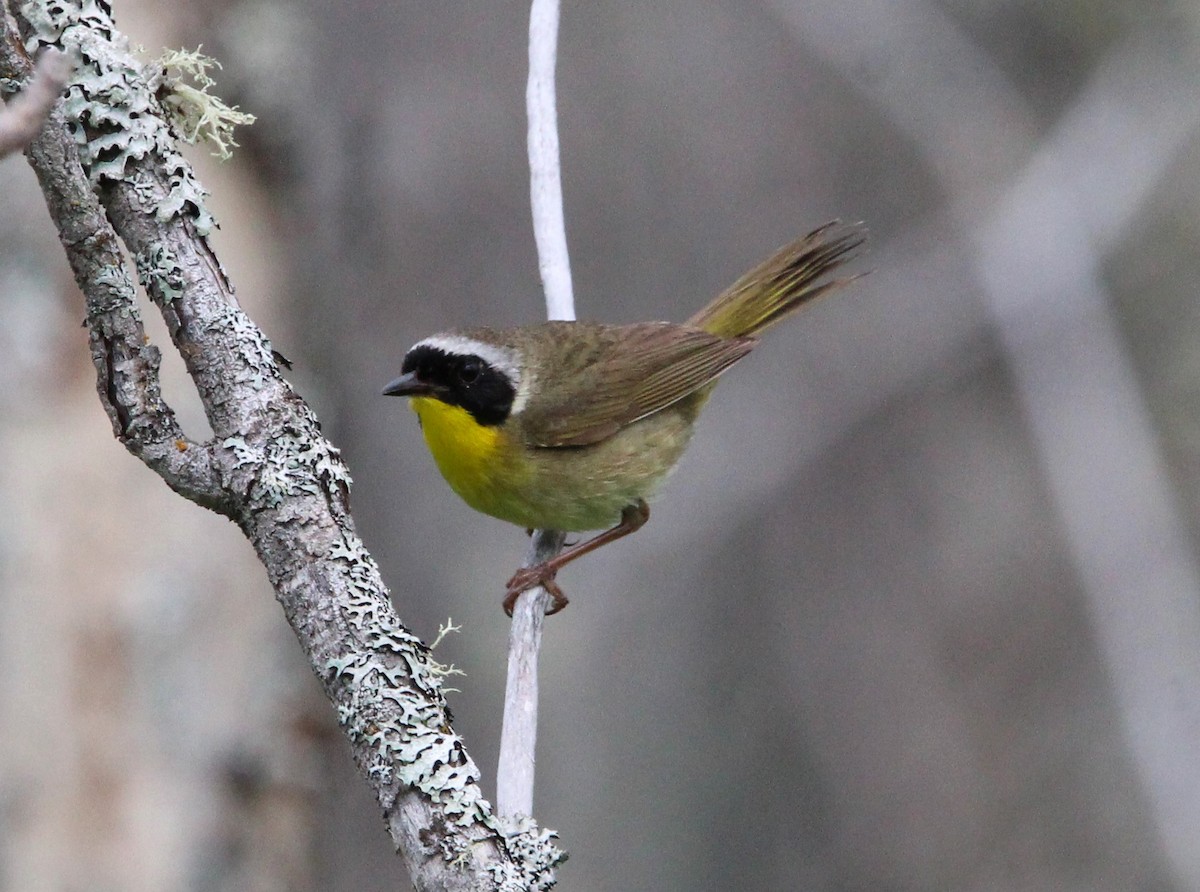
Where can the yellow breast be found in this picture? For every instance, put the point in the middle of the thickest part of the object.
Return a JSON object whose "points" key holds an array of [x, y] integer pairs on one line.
{"points": [[475, 459]]}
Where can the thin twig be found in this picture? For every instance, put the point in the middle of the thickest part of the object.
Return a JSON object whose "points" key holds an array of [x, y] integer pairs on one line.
{"points": [[545, 180], [518, 735], [24, 115]]}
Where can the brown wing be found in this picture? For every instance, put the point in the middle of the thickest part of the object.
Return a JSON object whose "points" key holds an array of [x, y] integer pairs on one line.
{"points": [[625, 372]]}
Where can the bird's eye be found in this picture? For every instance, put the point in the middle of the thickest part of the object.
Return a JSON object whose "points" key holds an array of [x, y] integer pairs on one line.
{"points": [[470, 370]]}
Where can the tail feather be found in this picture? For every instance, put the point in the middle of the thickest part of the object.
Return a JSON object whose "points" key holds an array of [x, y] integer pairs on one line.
{"points": [[782, 283]]}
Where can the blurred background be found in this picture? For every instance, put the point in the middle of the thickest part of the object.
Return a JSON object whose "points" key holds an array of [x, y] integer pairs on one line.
{"points": [[918, 611]]}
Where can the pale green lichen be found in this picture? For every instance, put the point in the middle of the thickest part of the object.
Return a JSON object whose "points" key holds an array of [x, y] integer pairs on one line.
{"points": [[183, 85], [160, 274], [440, 670], [397, 706], [257, 365], [390, 695], [443, 630], [243, 453], [534, 850], [112, 113], [114, 283], [281, 468], [330, 468]]}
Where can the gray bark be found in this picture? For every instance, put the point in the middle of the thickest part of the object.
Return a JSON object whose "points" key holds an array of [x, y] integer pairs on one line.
{"points": [[109, 169]]}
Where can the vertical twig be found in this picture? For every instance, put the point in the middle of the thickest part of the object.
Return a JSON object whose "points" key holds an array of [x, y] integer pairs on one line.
{"points": [[545, 181], [518, 735]]}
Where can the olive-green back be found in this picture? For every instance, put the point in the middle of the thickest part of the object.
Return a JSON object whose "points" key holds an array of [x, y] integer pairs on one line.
{"points": [[591, 380]]}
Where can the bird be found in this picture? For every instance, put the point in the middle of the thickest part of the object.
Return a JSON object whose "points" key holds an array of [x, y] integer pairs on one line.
{"points": [[573, 426]]}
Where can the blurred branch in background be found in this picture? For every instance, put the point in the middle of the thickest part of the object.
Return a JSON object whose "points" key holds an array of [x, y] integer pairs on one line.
{"points": [[1038, 241], [23, 116], [1039, 257]]}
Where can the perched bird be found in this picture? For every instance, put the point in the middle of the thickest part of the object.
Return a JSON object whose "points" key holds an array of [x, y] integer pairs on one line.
{"points": [[573, 425]]}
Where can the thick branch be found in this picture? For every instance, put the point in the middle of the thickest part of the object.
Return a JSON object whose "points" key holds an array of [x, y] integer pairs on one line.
{"points": [[127, 378], [268, 467]]}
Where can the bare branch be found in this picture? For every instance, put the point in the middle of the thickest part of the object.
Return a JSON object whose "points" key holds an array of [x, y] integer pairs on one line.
{"points": [[25, 114], [545, 180], [518, 735], [267, 467]]}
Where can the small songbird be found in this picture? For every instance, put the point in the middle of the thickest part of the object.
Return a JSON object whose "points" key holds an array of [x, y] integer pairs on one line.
{"points": [[573, 425]]}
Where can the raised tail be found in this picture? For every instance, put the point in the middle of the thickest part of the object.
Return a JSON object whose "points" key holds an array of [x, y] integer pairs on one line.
{"points": [[783, 283]]}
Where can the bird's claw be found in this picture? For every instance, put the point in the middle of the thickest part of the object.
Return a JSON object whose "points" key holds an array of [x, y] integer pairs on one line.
{"points": [[531, 577]]}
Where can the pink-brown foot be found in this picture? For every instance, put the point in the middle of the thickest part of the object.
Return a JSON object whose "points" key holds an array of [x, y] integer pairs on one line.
{"points": [[531, 577]]}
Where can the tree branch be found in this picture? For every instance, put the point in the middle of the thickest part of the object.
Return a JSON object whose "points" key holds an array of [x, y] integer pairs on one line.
{"points": [[545, 179], [24, 116], [268, 468], [518, 734]]}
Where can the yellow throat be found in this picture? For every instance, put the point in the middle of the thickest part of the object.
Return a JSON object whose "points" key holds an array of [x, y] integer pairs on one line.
{"points": [[467, 452]]}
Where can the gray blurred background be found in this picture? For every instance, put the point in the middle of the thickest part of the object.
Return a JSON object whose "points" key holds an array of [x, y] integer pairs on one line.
{"points": [[919, 610]]}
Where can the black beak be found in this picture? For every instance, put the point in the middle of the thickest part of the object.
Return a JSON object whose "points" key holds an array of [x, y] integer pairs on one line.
{"points": [[408, 385]]}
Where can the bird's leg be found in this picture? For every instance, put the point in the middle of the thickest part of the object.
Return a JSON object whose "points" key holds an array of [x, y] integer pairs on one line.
{"points": [[633, 518]]}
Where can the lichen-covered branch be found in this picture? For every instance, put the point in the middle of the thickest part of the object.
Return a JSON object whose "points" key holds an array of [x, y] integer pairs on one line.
{"points": [[109, 167]]}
